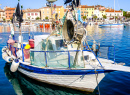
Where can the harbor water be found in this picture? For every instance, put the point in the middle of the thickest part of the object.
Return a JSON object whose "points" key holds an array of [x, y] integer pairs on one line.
{"points": [[114, 83]]}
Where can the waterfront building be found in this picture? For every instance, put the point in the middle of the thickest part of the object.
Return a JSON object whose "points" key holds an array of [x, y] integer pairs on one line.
{"points": [[2, 15], [99, 11], [59, 10], [45, 12], [110, 13], [9, 13], [87, 11], [32, 14]]}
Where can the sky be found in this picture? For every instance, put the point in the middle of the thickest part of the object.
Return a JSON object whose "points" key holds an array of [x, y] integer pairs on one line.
{"points": [[35, 4]]}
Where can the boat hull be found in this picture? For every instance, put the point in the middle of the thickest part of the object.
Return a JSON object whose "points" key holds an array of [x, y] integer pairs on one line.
{"points": [[84, 82], [111, 25]]}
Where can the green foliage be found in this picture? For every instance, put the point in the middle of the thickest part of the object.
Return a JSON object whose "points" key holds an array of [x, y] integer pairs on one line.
{"points": [[95, 17], [124, 13], [11, 18], [4, 19], [29, 18], [84, 17], [104, 16], [46, 17], [128, 15], [37, 18], [121, 9]]}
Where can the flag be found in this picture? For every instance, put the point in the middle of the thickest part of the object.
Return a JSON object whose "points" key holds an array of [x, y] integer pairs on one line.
{"points": [[17, 12], [67, 1]]}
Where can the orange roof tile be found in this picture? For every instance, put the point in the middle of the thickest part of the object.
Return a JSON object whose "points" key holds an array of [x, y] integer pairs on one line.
{"points": [[1, 10], [111, 10], [10, 9], [85, 6], [32, 10]]}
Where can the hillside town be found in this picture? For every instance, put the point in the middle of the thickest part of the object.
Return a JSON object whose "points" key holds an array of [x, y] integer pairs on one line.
{"points": [[97, 12]]}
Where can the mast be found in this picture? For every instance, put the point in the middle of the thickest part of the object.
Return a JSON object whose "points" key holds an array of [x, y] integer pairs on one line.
{"points": [[114, 11]]}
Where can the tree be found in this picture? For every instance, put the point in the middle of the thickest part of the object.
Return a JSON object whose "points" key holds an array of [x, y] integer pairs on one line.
{"points": [[11, 18], [37, 18], [95, 17], [121, 10], [84, 17], [46, 17], [124, 13], [128, 15], [104, 16], [4, 19]]}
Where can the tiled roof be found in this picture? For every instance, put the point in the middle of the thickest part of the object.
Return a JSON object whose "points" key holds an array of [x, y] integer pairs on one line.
{"points": [[99, 6], [65, 10], [85, 6], [49, 7], [32, 10], [1, 10], [10, 9], [111, 10]]}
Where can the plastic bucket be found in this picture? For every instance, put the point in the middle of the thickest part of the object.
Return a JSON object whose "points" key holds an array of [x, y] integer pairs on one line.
{"points": [[27, 53], [31, 43]]}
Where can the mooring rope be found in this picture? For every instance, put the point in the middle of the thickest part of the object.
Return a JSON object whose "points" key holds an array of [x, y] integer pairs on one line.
{"points": [[96, 74]]}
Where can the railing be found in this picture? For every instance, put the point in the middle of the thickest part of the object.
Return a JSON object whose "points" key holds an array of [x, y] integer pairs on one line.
{"points": [[108, 54], [68, 52]]}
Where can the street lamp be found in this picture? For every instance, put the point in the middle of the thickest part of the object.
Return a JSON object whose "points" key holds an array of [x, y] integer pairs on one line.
{"points": [[51, 1]]}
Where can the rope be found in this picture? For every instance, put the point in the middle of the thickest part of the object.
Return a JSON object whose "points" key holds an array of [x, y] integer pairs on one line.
{"points": [[96, 74]]}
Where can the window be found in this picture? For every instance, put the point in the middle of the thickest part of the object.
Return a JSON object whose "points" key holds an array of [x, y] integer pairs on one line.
{"points": [[28, 14], [32, 14], [36, 14], [48, 12], [43, 12], [49, 45]]}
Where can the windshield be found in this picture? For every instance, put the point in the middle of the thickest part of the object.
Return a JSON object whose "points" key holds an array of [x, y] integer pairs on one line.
{"points": [[60, 45]]}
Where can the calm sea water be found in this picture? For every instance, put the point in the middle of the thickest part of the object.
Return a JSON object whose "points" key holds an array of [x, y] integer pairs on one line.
{"points": [[114, 83]]}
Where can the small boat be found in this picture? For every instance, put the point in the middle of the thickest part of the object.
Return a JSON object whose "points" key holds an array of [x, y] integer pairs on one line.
{"points": [[61, 58], [111, 25]]}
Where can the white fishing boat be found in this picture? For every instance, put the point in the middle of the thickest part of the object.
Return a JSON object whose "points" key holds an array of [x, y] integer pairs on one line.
{"points": [[63, 59], [112, 25]]}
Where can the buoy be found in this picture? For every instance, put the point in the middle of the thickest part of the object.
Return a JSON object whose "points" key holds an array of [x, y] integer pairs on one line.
{"points": [[14, 65], [6, 57], [27, 46]]}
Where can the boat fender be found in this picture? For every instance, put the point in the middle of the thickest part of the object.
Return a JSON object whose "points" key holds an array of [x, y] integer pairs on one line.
{"points": [[19, 53], [4, 49], [6, 57], [14, 65]]}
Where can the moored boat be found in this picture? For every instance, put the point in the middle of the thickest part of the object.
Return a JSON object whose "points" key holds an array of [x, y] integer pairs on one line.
{"points": [[61, 59]]}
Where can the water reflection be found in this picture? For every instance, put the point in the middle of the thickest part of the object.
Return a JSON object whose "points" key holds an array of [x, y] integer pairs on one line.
{"points": [[26, 86]]}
